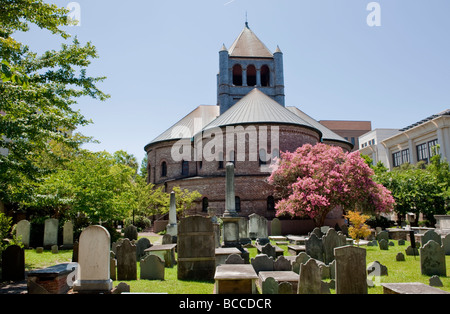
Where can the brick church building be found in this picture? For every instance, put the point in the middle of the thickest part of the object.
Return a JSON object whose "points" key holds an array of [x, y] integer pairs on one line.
{"points": [[249, 126]]}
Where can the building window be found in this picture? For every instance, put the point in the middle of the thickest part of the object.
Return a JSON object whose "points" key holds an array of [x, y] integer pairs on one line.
{"points": [[405, 156], [271, 203], [164, 169], [397, 159], [422, 152], [353, 141], [237, 75], [265, 76], [205, 205], [432, 145], [237, 202], [251, 75], [185, 168]]}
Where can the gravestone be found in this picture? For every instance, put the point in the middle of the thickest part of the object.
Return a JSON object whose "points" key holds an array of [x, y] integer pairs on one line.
{"points": [[257, 228], [50, 232], [94, 261], [113, 266], [54, 249], [68, 235], [269, 250], [141, 245], [23, 232], [196, 249], [301, 258], [400, 257], [152, 268], [230, 217], [167, 239], [446, 244], [282, 264], [172, 227], [350, 270], [310, 279], [330, 241], [383, 244], [262, 262], [243, 231], [234, 259], [126, 261], [285, 288], [431, 235], [383, 235], [435, 281], [13, 263], [432, 259], [269, 286], [377, 269], [130, 233], [314, 247], [317, 232], [275, 227]]}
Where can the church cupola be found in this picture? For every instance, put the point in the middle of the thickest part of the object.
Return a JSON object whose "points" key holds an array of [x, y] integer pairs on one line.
{"points": [[249, 64]]}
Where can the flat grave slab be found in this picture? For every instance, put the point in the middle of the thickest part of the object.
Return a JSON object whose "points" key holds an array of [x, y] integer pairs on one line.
{"points": [[278, 238], [51, 280], [297, 239], [223, 253], [410, 288], [235, 279], [295, 249], [279, 276]]}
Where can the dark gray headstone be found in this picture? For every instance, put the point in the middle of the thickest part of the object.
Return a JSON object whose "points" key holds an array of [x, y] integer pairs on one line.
{"points": [[282, 264], [262, 263], [383, 244], [431, 235], [350, 274], [314, 247], [130, 233], [234, 259], [126, 261], [13, 263], [269, 250], [141, 245], [432, 259]]}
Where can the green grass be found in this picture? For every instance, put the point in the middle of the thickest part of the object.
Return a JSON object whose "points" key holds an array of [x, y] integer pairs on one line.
{"points": [[407, 271]]}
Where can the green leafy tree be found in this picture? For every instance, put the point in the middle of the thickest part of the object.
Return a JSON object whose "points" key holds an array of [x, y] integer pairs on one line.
{"points": [[38, 91]]}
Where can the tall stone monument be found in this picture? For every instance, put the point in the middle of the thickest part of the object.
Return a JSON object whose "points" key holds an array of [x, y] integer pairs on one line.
{"points": [[172, 228], [230, 216]]}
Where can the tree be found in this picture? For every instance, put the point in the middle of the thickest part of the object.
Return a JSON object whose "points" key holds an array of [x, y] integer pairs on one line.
{"points": [[37, 92], [358, 229], [314, 180]]}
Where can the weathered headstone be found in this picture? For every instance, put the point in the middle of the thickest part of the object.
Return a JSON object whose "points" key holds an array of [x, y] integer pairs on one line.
{"points": [[141, 245], [167, 239], [431, 235], [314, 247], [13, 263], [126, 261], [446, 244], [435, 281], [275, 227], [172, 227], [400, 257], [23, 232], [282, 264], [262, 262], [285, 288], [243, 231], [50, 232], [196, 249], [55, 249], [383, 235], [234, 259], [269, 286], [130, 233], [113, 266], [432, 259], [152, 268], [94, 261], [310, 279], [351, 275], [410, 251], [301, 258], [257, 228], [68, 235], [383, 244], [269, 250], [330, 241]]}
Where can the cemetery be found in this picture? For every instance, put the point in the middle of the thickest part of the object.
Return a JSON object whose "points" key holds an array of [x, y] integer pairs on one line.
{"points": [[239, 256]]}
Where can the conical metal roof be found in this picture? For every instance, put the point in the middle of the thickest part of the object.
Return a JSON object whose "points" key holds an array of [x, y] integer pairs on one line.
{"points": [[248, 45]]}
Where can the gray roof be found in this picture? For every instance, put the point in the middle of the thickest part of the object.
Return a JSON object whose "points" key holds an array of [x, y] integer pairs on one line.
{"points": [[256, 107], [248, 45], [326, 132], [190, 124], [443, 113]]}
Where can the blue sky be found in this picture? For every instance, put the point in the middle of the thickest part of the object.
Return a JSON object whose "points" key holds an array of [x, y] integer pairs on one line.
{"points": [[161, 60]]}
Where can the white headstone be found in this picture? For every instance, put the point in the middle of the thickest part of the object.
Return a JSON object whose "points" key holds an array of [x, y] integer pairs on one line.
{"points": [[94, 261], [50, 232]]}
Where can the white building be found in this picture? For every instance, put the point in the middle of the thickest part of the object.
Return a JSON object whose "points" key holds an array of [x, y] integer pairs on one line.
{"points": [[370, 144], [416, 142]]}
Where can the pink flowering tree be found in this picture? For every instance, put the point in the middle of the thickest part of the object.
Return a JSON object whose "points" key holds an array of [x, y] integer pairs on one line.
{"points": [[314, 180]]}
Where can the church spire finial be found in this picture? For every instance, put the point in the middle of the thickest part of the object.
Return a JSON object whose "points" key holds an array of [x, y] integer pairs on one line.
{"points": [[246, 19]]}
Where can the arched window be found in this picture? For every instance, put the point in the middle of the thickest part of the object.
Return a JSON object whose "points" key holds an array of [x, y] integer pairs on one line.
{"points": [[265, 76], [262, 157], [251, 75], [185, 168], [237, 201], [205, 205], [271, 203], [237, 75], [164, 169]]}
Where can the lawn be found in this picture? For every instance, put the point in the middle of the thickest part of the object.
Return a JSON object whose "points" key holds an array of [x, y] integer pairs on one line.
{"points": [[407, 271]]}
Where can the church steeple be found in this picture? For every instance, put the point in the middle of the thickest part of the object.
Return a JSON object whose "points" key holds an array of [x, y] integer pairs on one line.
{"points": [[246, 65]]}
